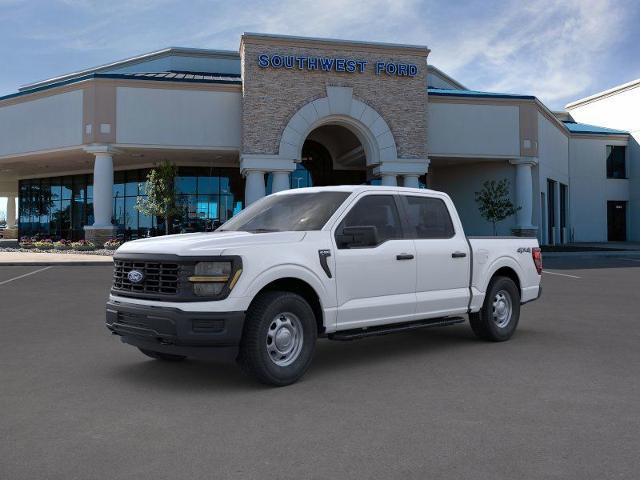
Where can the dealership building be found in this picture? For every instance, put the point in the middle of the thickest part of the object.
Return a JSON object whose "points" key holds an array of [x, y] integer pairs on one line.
{"points": [[287, 112]]}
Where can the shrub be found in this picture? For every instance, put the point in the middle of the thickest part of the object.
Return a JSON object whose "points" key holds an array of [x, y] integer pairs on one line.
{"points": [[83, 245], [112, 244], [26, 242], [62, 245], [46, 244]]}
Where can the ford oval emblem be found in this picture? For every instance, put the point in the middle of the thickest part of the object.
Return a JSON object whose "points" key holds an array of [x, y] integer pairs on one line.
{"points": [[135, 276]]}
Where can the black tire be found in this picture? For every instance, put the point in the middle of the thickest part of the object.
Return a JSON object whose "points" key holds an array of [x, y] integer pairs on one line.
{"points": [[491, 324], [269, 314], [167, 357]]}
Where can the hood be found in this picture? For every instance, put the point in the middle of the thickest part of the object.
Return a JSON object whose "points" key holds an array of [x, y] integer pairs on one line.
{"points": [[210, 243]]}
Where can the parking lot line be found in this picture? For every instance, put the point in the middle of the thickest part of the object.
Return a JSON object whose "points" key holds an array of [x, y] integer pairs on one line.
{"points": [[25, 275], [561, 274]]}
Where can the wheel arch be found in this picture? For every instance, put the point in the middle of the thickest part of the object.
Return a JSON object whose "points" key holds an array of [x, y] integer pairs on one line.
{"points": [[298, 281], [505, 267]]}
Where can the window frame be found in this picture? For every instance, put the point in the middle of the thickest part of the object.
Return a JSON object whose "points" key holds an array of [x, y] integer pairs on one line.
{"points": [[625, 164], [399, 211], [410, 231]]}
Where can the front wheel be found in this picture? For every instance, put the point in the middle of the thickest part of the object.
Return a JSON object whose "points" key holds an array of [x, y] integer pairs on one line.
{"points": [[279, 338], [498, 318]]}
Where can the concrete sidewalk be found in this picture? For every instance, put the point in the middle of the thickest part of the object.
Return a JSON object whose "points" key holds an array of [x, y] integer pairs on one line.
{"points": [[34, 259]]}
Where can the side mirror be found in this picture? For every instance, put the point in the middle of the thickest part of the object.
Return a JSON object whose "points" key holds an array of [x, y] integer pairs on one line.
{"points": [[357, 236]]}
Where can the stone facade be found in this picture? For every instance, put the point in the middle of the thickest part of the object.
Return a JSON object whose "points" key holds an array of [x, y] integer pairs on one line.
{"points": [[271, 96]]}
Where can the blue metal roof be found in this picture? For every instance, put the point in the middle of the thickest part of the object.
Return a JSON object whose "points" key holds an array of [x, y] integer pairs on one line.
{"points": [[575, 127], [188, 77], [475, 93]]}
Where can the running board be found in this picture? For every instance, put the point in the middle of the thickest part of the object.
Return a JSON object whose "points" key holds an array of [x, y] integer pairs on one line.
{"points": [[358, 333]]}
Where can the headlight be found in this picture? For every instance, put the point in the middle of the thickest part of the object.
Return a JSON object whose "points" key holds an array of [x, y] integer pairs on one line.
{"points": [[210, 278]]}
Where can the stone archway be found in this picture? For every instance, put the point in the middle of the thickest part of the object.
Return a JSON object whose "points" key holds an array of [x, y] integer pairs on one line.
{"points": [[340, 108]]}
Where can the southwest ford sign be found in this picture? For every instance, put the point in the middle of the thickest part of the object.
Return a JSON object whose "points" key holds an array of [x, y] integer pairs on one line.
{"points": [[334, 64]]}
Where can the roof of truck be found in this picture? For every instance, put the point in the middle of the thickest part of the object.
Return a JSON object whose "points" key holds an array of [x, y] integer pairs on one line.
{"points": [[355, 188]]}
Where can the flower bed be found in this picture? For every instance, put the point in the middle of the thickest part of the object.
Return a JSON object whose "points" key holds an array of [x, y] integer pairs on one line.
{"points": [[83, 246]]}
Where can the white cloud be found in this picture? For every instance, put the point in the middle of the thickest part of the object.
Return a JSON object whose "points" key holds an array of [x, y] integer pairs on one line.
{"points": [[545, 48]]}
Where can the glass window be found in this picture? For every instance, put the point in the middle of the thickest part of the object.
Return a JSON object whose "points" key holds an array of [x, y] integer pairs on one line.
{"points": [[289, 212], [378, 211], [428, 217], [118, 184], [616, 164]]}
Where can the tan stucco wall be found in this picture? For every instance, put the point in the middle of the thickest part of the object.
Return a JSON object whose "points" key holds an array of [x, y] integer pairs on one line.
{"points": [[271, 96]]}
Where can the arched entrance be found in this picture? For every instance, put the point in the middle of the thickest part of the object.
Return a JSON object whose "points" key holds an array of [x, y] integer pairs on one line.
{"points": [[332, 155]]}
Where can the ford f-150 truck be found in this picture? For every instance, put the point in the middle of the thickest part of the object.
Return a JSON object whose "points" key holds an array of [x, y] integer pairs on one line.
{"points": [[340, 262]]}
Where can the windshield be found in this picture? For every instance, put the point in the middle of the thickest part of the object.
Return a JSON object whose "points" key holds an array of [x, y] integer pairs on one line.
{"points": [[279, 213]]}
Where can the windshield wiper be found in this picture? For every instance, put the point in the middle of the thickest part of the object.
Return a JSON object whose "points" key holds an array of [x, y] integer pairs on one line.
{"points": [[263, 230]]}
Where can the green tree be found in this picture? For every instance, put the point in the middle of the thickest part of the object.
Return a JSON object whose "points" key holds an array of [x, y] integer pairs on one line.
{"points": [[494, 202], [161, 197]]}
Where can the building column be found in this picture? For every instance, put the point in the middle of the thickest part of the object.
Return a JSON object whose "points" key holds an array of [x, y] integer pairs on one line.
{"points": [[102, 228], [411, 181], [389, 180], [524, 197], [280, 181], [557, 229], [11, 212], [253, 167], [254, 188]]}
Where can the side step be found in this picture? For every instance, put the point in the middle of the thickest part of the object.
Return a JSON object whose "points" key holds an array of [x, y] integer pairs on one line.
{"points": [[358, 333]]}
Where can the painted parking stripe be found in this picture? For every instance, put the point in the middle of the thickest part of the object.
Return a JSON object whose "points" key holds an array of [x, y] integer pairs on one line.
{"points": [[561, 274], [25, 275]]}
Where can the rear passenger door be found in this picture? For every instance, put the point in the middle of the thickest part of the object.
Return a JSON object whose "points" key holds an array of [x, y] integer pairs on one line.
{"points": [[376, 280], [443, 257]]}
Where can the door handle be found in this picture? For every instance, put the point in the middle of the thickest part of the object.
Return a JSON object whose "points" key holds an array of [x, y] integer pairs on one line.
{"points": [[458, 255], [404, 256]]}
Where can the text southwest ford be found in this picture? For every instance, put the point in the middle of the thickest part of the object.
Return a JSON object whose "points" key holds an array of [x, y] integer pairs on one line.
{"points": [[340, 262]]}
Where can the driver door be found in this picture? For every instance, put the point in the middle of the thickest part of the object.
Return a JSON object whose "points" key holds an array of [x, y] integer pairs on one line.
{"points": [[375, 274]]}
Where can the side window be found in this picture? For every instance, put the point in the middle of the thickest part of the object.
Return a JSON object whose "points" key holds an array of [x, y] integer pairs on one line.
{"points": [[428, 217], [372, 221]]}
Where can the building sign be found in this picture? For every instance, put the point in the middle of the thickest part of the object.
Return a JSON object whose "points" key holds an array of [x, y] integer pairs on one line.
{"points": [[335, 64]]}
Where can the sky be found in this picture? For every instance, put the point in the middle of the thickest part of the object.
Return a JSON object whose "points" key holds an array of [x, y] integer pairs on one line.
{"points": [[557, 50]]}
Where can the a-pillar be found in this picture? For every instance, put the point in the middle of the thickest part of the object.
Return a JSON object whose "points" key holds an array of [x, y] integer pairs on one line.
{"points": [[524, 196], [102, 228]]}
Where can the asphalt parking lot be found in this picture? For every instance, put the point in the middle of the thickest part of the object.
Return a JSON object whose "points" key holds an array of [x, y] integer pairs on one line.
{"points": [[560, 400]]}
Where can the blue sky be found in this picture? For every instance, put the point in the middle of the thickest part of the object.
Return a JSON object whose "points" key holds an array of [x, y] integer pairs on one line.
{"points": [[557, 50]]}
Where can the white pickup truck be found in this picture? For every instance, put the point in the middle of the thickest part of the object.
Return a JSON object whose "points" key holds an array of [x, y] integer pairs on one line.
{"points": [[339, 262]]}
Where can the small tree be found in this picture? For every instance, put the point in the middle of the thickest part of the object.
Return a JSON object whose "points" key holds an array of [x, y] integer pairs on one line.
{"points": [[161, 197], [494, 202]]}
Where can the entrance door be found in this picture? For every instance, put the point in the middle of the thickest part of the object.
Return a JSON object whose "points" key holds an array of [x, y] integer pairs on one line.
{"points": [[376, 279], [617, 221]]}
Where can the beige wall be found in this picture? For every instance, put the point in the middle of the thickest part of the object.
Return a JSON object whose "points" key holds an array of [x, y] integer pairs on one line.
{"points": [[53, 121], [271, 96], [175, 117]]}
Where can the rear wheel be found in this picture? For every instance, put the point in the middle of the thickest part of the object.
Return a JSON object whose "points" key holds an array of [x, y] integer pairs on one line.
{"points": [[167, 357], [498, 318], [279, 338]]}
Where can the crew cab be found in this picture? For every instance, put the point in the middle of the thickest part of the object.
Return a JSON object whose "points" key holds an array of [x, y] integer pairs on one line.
{"points": [[341, 262]]}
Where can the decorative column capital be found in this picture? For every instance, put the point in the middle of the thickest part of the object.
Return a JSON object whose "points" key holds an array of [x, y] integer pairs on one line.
{"points": [[531, 161], [98, 149], [265, 163]]}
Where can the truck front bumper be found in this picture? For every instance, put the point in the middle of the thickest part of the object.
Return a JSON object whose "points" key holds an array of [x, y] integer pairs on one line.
{"points": [[171, 330]]}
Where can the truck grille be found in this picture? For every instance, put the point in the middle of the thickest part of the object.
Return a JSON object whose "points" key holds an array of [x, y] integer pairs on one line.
{"points": [[159, 278]]}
